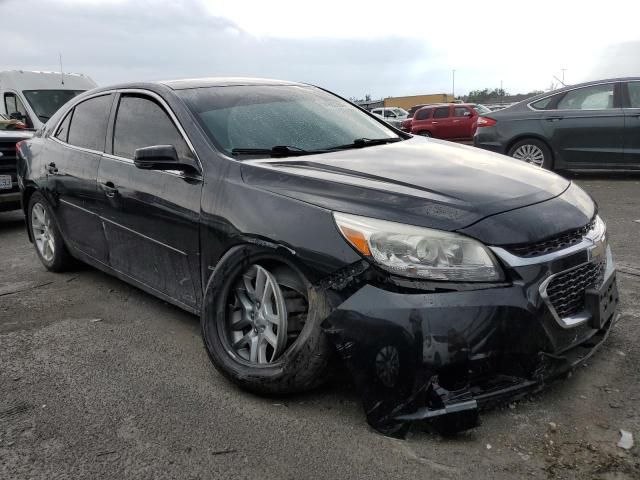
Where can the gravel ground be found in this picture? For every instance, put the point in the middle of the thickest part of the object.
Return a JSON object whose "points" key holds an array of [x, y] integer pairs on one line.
{"points": [[100, 380]]}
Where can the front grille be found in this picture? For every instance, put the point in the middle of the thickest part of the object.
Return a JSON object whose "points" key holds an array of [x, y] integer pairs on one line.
{"points": [[566, 291], [552, 244], [9, 158]]}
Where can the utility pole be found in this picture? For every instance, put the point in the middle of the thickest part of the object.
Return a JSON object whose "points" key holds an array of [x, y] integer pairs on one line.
{"points": [[501, 93], [61, 71], [563, 70], [453, 84]]}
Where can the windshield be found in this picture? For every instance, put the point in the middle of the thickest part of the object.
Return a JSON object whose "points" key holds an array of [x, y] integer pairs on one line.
{"points": [[262, 117], [400, 112], [46, 102], [481, 109]]}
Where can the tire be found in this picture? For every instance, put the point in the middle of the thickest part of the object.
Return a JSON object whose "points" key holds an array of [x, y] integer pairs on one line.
{"points": [[424, 134], [47, 238], [533, 151], [301, 364]]}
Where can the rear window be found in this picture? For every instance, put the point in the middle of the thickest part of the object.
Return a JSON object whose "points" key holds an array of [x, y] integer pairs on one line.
{"points": [[88, 127], [543, 104], [441, 112], [423, 114]]}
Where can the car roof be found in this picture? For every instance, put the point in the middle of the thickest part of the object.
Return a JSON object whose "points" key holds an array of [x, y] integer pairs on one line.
{"points": [[182, 84]]}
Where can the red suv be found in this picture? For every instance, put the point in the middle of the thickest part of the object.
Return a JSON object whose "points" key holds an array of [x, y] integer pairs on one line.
{"points": [[450, 121]]}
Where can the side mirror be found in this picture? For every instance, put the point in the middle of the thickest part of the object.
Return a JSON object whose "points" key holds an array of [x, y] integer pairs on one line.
{"points": [[16, 116], [467, 113], [160, 157]]}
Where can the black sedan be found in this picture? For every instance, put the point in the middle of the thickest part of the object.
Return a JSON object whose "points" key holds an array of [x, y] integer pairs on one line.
{"points": [[297, 226], [591, 126]]}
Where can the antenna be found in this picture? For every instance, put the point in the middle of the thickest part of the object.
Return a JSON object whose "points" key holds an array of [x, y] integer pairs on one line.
{"points": [[61, 71]]}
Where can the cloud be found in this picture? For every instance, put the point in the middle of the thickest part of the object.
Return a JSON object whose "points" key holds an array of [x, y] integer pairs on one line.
{"points": [[152, 40], [350, 48]]}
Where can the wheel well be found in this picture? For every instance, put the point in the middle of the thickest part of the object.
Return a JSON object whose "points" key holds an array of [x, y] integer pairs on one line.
{"points": [[26, 196], [530, 137]]}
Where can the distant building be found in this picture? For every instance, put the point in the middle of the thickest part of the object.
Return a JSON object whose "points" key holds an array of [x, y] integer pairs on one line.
{"points": [[410, 101], [406, 102]]}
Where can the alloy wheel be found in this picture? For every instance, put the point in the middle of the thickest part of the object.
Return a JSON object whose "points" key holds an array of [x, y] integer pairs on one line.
{"points": [[42, 232], [257, 319], [531, 154]]}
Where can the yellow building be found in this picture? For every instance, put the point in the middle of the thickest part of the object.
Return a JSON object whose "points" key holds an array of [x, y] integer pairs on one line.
{"points": [[408, 102]]}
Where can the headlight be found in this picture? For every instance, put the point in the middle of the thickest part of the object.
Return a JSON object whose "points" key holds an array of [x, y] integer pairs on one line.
{"points": [[419, 252]]}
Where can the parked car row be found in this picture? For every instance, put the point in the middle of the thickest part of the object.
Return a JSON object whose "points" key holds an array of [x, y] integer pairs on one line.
{"points": [[447, 277]]}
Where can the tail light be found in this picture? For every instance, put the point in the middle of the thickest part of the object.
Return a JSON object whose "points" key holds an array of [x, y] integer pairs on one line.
{"points": [[486, 122]]}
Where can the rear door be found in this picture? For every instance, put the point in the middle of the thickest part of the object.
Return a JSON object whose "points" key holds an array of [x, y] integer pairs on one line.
{"points": [[421, 121], [73, 157], [632, 125], [586, 127], [150, 217], [442, 123], [462, 122]]}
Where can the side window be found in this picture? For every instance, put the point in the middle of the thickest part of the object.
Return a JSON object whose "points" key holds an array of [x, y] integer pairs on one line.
{"points": [[423, 114], [88, 127], [597, 97], [442, 112], [13, 105], [545, 103], [376, 111], [63, 129], [141, 122], [389, 114], [461, 112], [634, 94]]}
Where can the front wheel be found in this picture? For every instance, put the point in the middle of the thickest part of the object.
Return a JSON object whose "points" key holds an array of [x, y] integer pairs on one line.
{"points": [[47, 238], [424, 134], [532, 151], [261, 324]]}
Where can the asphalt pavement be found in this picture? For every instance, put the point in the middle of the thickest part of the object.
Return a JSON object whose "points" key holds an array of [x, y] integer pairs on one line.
{"points": [[101, 380]]}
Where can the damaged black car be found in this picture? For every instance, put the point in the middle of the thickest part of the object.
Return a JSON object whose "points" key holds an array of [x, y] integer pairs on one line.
{"points": [[301, 228]]}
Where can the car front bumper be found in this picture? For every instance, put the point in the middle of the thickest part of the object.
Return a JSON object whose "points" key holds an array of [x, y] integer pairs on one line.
{"points": [[444, 355]]}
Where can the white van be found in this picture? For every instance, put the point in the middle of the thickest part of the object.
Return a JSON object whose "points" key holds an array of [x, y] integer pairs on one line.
{"points": [[33, 97]]}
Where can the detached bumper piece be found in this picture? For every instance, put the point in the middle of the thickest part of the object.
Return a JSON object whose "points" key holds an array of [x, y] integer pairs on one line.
{"points": [[443, 357]]}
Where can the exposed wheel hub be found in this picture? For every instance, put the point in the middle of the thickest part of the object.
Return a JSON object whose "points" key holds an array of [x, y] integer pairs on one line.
{"points": [[42, 233], [257, 321]]}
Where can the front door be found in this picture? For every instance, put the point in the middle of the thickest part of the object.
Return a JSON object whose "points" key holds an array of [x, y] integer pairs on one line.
{"points": [[587, 127], [150, 217], [632, 126], [77, 147]]}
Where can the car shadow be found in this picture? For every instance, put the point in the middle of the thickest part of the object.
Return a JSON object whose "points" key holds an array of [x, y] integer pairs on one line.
{"points": [[11, 221], [600, 175]]}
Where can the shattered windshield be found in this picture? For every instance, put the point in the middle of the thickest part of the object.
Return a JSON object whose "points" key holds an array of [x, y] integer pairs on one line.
{"points": [[239, 118], [47, 102]]}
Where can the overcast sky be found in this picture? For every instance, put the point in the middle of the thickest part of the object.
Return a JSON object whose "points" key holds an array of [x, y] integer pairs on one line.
{"points": [[351, 47]]}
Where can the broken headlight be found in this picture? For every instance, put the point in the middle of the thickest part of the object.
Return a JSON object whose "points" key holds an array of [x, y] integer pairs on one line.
{"points": [[419, 252]]}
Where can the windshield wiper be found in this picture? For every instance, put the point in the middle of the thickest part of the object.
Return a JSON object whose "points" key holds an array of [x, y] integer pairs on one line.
{"points": [[367, 142], [276, 151]]}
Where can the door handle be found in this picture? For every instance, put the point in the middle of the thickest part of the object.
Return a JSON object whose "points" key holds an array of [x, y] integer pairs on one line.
{"points": [[51, 168], [554, 119], [110, 189]]}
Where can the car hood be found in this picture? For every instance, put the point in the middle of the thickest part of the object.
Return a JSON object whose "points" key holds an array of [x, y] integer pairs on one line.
{"points": [[419, 181]]}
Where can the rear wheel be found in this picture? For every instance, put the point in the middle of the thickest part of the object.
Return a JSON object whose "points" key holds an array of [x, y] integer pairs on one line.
{"points": [[261, 324], [424, 134], [532, 151], [46, 237]]}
